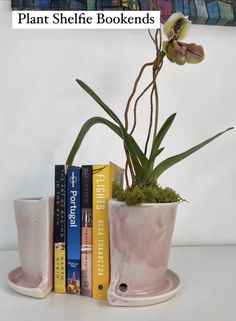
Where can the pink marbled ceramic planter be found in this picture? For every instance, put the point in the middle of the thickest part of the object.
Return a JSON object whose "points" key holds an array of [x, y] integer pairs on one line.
{"points": [[140, 239], [34, 221]]}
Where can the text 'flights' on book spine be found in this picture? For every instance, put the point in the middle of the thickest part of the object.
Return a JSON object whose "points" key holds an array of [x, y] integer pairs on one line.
{"points": [[86, 248], [102, 193], [60, 230], [73, 207]]}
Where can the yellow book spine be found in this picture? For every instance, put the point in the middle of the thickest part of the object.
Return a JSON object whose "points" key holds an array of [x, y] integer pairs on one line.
{"points": [[102, 193], [59, 268]]}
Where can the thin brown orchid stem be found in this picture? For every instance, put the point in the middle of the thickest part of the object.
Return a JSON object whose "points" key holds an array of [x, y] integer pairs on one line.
{"points": [[156, 102], [156, 35], [151, 36], [139, 97], [156, 41], [134, 91], [129, 165], [151, 120], [160, 41], [156, 111], [126, 175], [154, 90], [129, 168], [160, 63], [127, 123]]}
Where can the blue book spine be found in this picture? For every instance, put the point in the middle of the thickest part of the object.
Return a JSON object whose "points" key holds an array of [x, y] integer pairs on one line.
{"points": [[73, 229], [186, 8], [43, 4], [78, 5], [144, 4], [28, 4], [59, 5], [192, 10], [17, 4], [213, 12], [91, 5], [178, 6], [202, 14]]}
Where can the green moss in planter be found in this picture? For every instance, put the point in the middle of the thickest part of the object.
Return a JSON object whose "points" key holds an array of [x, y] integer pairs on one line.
{"points": [[139, 194]]}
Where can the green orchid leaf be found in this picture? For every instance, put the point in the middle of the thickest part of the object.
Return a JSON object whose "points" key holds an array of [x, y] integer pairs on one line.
{"points": [[149, 165], [136, 150], [151, 160], [100, 102], [161, 134], [139, 170], [85, 128], [154, 156], [100, 120], [164, 165], [156, 150], [131, 145]]}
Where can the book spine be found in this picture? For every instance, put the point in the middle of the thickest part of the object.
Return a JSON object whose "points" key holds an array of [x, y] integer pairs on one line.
{"points": [[102, 192], [91, 5], [78, 4], [86, 248], [43, 4], [73, 229], [60, 5], [60, 230], [28, 4], [17, 4]]}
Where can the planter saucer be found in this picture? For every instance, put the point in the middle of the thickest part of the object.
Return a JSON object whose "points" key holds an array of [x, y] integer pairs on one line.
{"points": [[26, 286], [171, 285]]}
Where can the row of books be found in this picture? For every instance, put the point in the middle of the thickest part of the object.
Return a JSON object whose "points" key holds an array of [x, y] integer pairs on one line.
{"points": [[80, 5], [81, 228]]}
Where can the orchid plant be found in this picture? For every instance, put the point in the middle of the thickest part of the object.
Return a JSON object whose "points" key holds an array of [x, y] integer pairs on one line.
{"points": [[141, 168]]}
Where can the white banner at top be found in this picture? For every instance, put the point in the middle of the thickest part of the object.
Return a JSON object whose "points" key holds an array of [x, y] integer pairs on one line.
{"points": [[85, 19]]}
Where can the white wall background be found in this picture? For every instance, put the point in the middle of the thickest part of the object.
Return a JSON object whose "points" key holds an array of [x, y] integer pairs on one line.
{"points": [[42, 110]]}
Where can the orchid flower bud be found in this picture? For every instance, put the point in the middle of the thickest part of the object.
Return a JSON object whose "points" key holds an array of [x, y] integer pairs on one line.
{"points": [[177, 26]]}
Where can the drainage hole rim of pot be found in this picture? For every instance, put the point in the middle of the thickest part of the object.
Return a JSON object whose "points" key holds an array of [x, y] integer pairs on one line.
{"points": [[123, 287]]}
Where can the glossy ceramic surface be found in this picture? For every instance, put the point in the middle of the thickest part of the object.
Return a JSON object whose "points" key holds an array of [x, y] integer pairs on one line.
{"points": [[140, 239], [34, 220]]}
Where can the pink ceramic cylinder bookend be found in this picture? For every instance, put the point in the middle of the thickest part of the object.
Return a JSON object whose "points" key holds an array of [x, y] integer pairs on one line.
{"points": [[34, 220], [140, 240]]}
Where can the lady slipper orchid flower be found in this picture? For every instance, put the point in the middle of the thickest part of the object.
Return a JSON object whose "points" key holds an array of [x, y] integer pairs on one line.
{"points": [[177, 26], [181, 53], [194, 53], [178, 52]]}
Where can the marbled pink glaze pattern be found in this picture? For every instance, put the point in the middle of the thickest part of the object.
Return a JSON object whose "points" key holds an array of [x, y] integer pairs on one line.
{"points": [[140, 239], [34, 221]]}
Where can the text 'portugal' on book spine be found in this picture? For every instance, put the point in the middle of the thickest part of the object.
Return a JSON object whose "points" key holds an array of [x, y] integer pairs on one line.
{"points": [[73, 208]]}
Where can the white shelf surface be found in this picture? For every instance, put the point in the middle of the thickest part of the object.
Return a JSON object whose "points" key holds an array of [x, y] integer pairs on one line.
{"points": [[208, 293]]}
